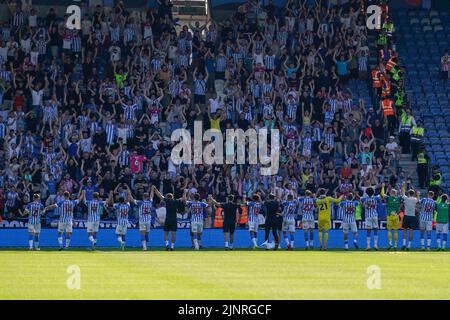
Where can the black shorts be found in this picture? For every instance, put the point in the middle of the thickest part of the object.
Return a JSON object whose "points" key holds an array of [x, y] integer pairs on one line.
{"points": [[199, 99], [279, 224], [170, 226], [444, 75], [229, 226], [409, 222]]}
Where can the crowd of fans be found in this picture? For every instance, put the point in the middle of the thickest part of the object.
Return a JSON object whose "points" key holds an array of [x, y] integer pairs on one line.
{"points": [[93, 109]]}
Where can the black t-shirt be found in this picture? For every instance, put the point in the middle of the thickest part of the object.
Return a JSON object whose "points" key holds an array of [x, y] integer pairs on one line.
{"points": [[229, 211], [271, 209], [171, 209]]}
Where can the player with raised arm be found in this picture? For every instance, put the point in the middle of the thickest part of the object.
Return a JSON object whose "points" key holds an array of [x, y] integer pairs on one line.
{"points": [[253, 209], [393, 203], [323, 203], [95, 209], [289, 212], [171, 223], [427, 206], [442, 213], [34, 210], [306, 205], [145, 207], [197, 211], [231, 213], [348, 207], [66, 208], [410, 219], [370, 204], [122, 210]]}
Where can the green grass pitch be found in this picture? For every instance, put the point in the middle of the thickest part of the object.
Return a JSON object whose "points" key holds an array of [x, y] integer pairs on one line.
{"points": [[223, 275]]}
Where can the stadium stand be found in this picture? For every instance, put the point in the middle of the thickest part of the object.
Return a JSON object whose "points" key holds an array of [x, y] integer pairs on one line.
{"points": [[422, 37], [90, 112]]}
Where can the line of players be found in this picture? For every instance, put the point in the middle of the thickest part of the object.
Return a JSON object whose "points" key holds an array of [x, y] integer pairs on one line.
{"points": [[280, 215]]}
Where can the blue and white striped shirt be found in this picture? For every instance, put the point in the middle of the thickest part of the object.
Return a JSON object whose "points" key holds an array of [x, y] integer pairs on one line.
{"points": [[66, 209], [122, 211], [196, 209], [307, 206], [253, 211], [427, 209], [348, 210], [370, 206], [145, 210], [200, 87], [35, 210], [95, 209], [289, 210]]}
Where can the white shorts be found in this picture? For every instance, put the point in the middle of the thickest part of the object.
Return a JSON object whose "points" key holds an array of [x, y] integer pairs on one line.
{"points": [[121, 230], [426, 225], [253, 226], [34, 228], [197, 227], [64, 226], [349, 226], [308, 224], [93, 226], [442, 228], [372, 223], [145, 226], [288, 225]]}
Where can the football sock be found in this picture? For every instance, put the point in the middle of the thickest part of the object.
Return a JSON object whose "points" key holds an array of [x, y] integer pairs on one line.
{"points": [[36, 241], [30, 241]]}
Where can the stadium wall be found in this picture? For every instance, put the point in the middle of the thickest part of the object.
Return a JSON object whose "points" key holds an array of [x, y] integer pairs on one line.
{"points": [[212, 238]]}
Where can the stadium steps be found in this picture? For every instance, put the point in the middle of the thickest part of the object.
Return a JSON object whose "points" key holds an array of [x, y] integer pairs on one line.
{"points": [[410, 168]]}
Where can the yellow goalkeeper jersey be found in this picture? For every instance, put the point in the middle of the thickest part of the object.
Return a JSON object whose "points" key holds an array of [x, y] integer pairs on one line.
{"points": [[324, 207]]}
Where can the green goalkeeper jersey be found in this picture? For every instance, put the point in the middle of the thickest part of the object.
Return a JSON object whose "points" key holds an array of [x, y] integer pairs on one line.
{"points": [[442, 212], [393, 205]]}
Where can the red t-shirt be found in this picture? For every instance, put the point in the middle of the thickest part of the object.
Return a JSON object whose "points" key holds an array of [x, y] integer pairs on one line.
{"points": [[137, 163]]}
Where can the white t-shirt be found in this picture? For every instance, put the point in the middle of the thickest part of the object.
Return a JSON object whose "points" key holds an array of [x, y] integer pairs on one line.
{"points": [[410, 205], [34, 57], [32, 21], [160, 216], [25, 44], [4, 53], [37, 97], [214, 103]]}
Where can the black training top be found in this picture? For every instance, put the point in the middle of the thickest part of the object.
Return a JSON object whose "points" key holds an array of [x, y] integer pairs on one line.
{"points": [[229, 211]]}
